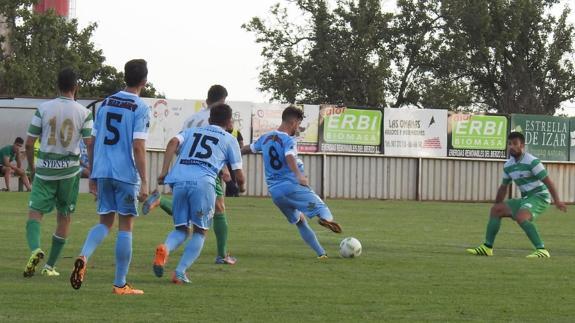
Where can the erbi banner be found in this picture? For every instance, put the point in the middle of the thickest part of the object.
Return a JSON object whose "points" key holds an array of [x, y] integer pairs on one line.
{"points": [[415, 132], [349, 130], [477, 136]]}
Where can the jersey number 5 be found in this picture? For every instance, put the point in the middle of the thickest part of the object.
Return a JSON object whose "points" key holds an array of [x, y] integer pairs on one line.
{"points": [[111, 128], [203, 141]]}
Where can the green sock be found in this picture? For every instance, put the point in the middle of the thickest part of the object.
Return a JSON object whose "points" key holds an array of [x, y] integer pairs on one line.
{"points": [[221, 231], [57, 246], [166, 205], [33, 234], [492, 229], [531, 230]]}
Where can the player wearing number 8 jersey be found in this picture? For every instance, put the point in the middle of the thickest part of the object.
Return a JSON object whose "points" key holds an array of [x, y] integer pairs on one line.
{"points": [[118, 161], [203, 151], [286, 181], [60, 124]]}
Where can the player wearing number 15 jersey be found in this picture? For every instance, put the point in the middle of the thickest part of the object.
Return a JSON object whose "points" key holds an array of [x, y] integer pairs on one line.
{"points": [[203, 151], [286, 181], [118, 161], [60, 124]]}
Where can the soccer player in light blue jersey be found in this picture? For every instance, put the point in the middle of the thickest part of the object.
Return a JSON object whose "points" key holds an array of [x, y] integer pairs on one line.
{"points": [[118, 177], [536, 188], [286, 181], [203, 152]]}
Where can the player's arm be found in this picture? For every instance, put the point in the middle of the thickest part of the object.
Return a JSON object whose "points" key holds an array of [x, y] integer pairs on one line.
{"points": [[171, 149], [234, 157], [501, 193], [29, 145], [89, 142], [140, 159], [240, 180], [246, 150], [18, 162], [558, 203], [292, 164]]}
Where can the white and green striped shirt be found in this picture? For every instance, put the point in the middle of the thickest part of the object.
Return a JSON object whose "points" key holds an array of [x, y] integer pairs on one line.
{"points": [[61, 124], [528, 174]]}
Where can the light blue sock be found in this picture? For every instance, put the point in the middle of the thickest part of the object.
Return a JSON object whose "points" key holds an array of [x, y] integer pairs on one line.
{"points": [[93, 240], [123, 257], [191, 253], [175, 239], [309, 237]]}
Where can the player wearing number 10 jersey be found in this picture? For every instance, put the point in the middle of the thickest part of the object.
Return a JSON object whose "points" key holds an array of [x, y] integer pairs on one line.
{"points": [[203, 151], [286, 181], [118, 172]]}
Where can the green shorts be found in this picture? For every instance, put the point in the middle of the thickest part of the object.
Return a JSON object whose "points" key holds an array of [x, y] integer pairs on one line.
{"points": [[534, 204], [61, 193], [219, 189]]}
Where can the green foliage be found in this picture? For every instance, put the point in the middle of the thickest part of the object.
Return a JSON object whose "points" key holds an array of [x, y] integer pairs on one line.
{"points": [[496, 55], [39, 45], [414, 268]]}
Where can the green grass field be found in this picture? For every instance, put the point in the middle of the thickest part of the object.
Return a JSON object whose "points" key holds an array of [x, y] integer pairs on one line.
{"points": [[413, 268]]}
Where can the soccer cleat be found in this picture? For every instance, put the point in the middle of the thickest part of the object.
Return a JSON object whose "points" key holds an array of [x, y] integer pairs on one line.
{"points": [[151, 202], [78, 273], [539, 253], [482, 250], [180, 279], [49, 271], [322, 257], [33, 262], [330, 225], [126, 290], [227, 260], [160, 260]]}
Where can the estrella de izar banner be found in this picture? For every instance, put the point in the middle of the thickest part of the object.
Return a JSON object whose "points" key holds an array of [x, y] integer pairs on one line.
{"points": [[477, 136], [349, 130], [546, 137]]}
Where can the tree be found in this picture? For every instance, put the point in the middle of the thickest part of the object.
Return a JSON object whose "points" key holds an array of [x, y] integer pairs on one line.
{"points": [[42, 44]]}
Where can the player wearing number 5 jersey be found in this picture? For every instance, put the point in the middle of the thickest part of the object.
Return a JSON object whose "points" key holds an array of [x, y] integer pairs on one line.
{"points": [[60, 124], [286, 181], [118, 159], [203, 152]]}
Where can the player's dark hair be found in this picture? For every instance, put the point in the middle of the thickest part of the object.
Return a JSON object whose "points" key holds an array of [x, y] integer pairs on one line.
{"points": [[135, 71], [292, 112], [67, 80], [516, 135], [216, 93], [220, 114], [19, 141]]}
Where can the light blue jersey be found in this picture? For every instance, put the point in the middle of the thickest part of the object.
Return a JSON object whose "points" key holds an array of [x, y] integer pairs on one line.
{"points": [[275, 146], [120, 119], [203, 153]]}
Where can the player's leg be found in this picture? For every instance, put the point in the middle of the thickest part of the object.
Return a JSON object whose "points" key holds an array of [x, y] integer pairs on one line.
{"points": [[6, 173], [530, 209], [310, 204], [127, 202], [181, 229], [497, 212], [221, 227], [293, 216], [42, 200], [201, 202], [24, 177]]}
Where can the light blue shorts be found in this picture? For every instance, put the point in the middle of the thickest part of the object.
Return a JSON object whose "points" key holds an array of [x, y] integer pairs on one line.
{"points": [[116, 196], [292, 199], [193, 203]]}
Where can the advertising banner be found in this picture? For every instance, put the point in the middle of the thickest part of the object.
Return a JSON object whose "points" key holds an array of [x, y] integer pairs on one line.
{"points": [[572, 132], [349, 130], [477, 136], [268, 117], [415, 132], [167, 119], [546, 137]]}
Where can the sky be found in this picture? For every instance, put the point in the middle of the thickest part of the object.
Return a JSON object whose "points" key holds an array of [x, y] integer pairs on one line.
{"points": [[189, 44]]}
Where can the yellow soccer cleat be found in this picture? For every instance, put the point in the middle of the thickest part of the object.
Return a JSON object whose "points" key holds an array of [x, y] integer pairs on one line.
{"points": [[539, 253], [482, 250], [127, 290], [33, 262], [322, 257], [49, 271]]}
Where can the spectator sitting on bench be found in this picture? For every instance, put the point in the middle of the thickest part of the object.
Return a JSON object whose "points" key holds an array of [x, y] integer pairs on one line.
{"points": [[7, 155]]}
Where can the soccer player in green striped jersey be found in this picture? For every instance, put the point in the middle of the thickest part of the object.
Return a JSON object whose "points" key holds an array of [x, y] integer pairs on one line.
{"points": [[537, 189], [60, 124]]}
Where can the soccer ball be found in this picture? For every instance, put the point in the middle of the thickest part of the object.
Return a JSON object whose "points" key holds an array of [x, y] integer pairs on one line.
{"points": [[349, 247]]}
